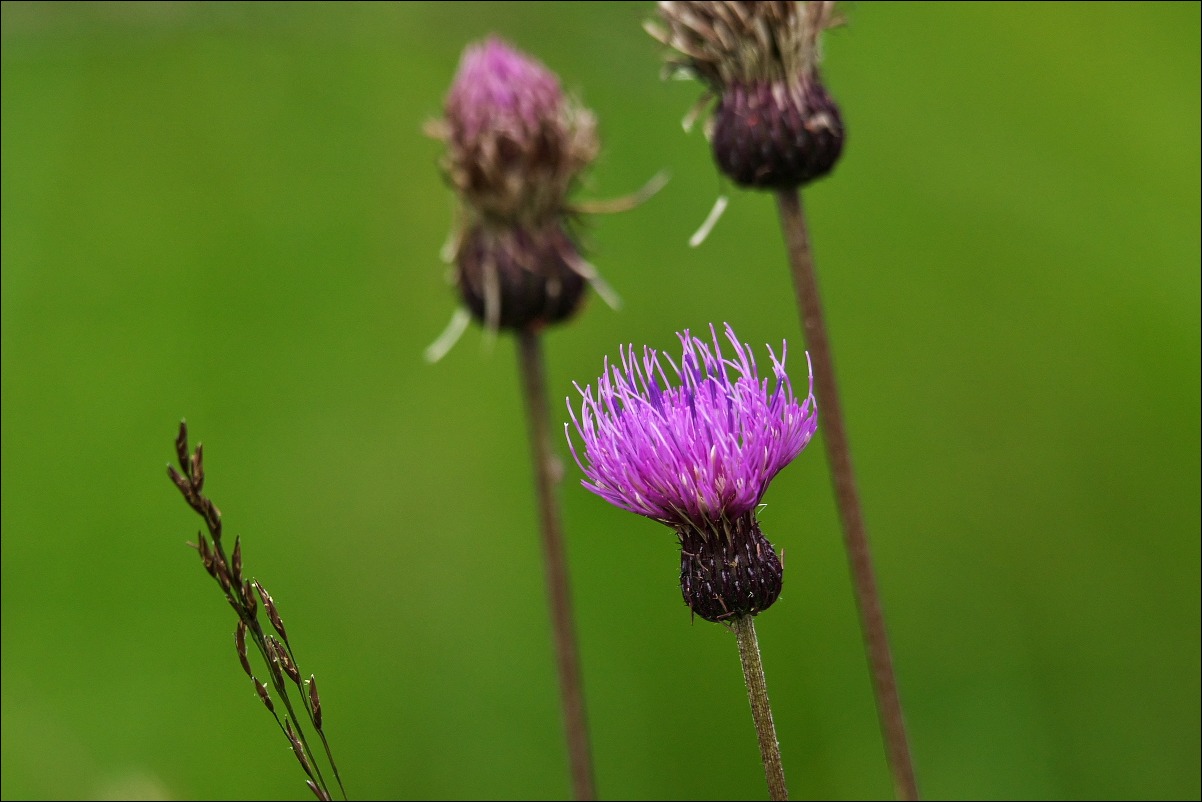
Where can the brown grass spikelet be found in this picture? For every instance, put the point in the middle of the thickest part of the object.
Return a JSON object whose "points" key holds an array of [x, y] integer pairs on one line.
{"points": [[243, 596]]}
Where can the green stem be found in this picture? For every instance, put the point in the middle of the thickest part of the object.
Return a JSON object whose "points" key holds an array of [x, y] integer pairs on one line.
{"points": [[761, 710], [567, 660], [855, 538]]}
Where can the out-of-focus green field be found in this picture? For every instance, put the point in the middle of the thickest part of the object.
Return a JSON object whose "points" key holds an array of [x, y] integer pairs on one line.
{"points": [[228, 212]]}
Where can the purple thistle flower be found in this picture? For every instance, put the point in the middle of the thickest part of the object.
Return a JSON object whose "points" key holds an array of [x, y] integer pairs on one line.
{"points": [[698, 457]]}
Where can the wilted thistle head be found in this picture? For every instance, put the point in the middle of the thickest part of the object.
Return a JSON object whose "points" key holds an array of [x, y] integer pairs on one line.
{"points": [[697, 455], [775, 126], [516, 145]]}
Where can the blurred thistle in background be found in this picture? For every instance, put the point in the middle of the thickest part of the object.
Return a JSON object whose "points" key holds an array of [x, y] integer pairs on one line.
{"points": [[516, 145], [774, 125], [776, 128], [515, 148]]}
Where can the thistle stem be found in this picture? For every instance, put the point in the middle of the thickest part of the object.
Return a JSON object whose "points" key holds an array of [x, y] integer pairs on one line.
{"points": [[872, 622], [761, 710], [571, 685]]}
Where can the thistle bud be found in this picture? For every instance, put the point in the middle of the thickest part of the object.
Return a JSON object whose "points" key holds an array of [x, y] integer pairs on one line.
{"points": [[774, 126], [515, 142], [516, 146]]}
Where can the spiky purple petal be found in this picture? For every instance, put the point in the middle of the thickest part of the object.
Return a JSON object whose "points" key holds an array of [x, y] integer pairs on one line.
{"points": [[697, 450]]}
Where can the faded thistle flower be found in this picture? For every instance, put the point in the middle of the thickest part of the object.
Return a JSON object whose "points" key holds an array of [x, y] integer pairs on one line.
{"points": [[697, 456], [774, 126], [516, 146]]}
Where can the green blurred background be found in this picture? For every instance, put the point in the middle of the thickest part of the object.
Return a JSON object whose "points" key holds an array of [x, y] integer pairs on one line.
{"points": [[228, 212]]}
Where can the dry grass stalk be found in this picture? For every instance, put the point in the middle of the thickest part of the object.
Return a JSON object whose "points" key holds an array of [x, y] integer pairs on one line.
{"points": [[241, 593]]}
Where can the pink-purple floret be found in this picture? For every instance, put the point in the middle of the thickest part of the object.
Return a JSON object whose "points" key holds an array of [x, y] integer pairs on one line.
{"points": [[697, 453], [496, 84]]}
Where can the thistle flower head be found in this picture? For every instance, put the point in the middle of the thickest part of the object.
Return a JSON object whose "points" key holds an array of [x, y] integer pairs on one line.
{"points": [[516, 143], [775, 126], [697, 452]]}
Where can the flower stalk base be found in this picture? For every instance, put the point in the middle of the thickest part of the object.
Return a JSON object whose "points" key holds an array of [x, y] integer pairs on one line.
{"points": [[761, 710]]}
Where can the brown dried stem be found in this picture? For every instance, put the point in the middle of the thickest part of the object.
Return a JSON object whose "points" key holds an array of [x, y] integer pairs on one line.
{"points": [[838, 452], [240, 592], [567, 660]]}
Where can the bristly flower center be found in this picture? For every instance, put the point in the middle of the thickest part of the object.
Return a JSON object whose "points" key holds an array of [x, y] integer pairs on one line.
{"points": [[729, 574]]}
